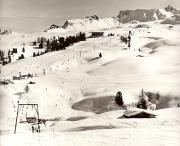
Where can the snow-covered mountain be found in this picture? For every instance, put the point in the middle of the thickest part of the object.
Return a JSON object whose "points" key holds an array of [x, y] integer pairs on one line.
{"points": [[143, 15], [89, 23], [5, 31], [172, 9]]}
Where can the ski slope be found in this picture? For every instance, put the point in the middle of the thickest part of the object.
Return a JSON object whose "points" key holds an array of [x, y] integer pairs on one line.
{"points": [[77, 73]]}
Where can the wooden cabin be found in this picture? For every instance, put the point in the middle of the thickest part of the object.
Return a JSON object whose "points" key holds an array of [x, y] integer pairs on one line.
{"points": [[96, 34], [138, 114]]}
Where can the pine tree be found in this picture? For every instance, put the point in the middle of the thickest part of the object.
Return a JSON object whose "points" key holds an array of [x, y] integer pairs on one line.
{"points": [[37, 54], [41, 45], [142, 103], [2, 57], [157, 96], [9, 58], [34, 54], [23, 49], [34, 43], [9, 52], [118, 99], [22, 56], [26, 89]]}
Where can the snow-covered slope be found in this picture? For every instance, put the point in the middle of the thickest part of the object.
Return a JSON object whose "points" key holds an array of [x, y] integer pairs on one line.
{"points": [[77, 73]]}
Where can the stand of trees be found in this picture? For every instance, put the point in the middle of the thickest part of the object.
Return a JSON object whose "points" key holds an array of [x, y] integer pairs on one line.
{"points": [[59, 43], [55, 44], [119, 99], [4, 60]]}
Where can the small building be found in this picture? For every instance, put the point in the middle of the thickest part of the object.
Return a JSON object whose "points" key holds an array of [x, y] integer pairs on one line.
{"points": [[96, 34], [178, 105], [138, 114]]}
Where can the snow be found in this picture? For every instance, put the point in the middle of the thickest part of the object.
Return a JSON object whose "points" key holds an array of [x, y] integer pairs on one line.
{"points": [[55, 30], [88, 24], [77, 71], [167, 14]]}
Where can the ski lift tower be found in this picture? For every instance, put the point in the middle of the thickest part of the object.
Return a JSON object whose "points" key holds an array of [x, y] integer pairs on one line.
{"points": [[34, 106]]}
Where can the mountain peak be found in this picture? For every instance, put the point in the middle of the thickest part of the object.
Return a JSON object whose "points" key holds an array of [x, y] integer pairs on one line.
{"points": [[143, 15], [170, 8], [90, 23], [5, 31], [95, 17]]}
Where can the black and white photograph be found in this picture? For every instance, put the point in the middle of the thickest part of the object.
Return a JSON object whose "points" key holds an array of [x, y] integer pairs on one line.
{"points": [[89, 72]]}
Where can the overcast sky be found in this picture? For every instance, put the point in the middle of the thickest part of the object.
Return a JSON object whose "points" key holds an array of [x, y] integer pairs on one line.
{"points": [[61, 10]]}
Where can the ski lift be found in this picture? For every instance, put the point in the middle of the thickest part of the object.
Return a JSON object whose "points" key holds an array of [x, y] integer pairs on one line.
{"points": [[33, 119]]}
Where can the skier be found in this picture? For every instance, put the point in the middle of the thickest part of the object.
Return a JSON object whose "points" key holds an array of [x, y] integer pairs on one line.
{"points": [[129, 45], [39, 128], [44, 72], [129, 38], [32, 129]]}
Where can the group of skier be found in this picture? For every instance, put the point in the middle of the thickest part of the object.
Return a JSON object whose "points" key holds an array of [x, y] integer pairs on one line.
{"points": [[34, 129]]}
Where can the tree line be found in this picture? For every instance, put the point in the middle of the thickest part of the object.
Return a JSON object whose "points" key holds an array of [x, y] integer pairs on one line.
{"points": [[57, 44], [3, 59]]}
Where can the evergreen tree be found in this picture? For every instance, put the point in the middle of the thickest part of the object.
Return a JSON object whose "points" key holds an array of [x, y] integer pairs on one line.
{"points": [[34, 43], [38, 40], [34, 54], [2, 57], [9, 58], [118, 99], [37, 54], [157, 96], [142, 103], [21, 57], [26, 89], [49, 47], [9, 52], [14, 50], [41, 45], [23, 49]]}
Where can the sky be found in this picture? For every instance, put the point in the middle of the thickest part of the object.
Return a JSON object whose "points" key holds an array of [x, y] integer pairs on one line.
{"points": [[34, 15]]}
